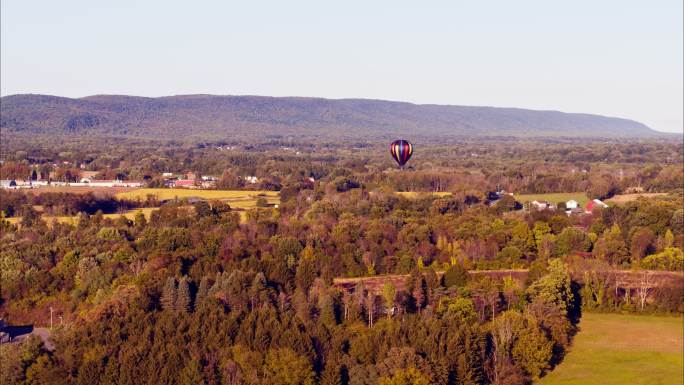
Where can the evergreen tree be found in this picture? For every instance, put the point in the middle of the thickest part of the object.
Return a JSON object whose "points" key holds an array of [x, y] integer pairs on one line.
{"points": [[306, 273], [257, 291], [184, 300], [456, 276], [202, 291], [169, 294], [192, 374]]}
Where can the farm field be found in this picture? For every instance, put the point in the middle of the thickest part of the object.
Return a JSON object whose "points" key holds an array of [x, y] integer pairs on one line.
{"points": [[147, 211], [79, 189], [624, 198], [416, 194], [616, 349], [165, 193], [580, 197]]}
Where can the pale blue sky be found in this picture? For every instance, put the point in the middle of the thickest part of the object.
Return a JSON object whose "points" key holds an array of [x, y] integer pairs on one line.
{"points": [[618, 58]]}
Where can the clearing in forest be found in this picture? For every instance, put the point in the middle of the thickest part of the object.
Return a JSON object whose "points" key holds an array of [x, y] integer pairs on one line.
{"points": [[618, 349]]}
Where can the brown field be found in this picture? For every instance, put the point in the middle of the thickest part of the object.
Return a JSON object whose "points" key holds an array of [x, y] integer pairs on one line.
{"points": [[79, 189], [624, 278], [624, 198], [374, 284]]}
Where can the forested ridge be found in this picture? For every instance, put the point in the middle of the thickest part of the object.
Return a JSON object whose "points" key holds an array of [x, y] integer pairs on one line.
{"points": [[211, 116]]}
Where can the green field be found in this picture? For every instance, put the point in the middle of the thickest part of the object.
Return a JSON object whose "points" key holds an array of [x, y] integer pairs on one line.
{"points": [[580, 197], [616, 349]]}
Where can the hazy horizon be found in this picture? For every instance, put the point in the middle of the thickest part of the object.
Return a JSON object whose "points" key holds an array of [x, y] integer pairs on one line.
{"points": [[618, 59]]}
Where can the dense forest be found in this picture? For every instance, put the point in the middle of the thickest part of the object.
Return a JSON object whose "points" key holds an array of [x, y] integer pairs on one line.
{"points": [[197, 294]]}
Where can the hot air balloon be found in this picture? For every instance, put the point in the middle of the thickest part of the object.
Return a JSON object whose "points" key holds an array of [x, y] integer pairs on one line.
{"points": [[401, 151]]}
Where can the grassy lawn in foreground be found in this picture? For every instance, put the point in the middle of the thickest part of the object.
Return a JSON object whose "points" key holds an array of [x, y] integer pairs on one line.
{"points": [[617, 349], [580, 197]]}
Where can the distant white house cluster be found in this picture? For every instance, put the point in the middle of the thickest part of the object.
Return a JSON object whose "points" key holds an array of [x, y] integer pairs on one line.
{"points": [[571, 206]]}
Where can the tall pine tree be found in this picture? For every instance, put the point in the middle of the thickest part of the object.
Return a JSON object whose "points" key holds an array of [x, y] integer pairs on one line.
{"points": [[184, 301], [202, 291], [169, 294]]}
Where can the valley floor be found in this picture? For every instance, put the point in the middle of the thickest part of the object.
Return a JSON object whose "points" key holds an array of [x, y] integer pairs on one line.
{"points": [[623, 349]]}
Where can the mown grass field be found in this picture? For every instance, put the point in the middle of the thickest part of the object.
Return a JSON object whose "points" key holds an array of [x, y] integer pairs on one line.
{"points": [[580, 197], [616, 349]]}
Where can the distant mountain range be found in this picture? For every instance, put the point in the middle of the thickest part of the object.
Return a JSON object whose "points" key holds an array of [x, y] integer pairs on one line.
{"points": [[222, 117]]}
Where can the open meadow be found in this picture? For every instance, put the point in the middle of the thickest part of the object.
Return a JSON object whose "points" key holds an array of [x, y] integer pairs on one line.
{"points": [[617, 349]]}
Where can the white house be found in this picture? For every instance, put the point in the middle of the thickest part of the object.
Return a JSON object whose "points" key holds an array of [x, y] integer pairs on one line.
{"points": [[571, 204]]}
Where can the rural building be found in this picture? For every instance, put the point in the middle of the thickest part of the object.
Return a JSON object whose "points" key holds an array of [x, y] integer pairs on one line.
{"points": [[131, 183], [634, 190], [184, 183], [88, 174], [208, 183], [571, 204], [542, 205], [8, 183], [251, 179], [107, 183], [591, 205]]}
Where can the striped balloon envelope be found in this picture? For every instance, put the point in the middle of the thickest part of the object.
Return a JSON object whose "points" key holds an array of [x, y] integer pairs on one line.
{"points": [[401, 151]]}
